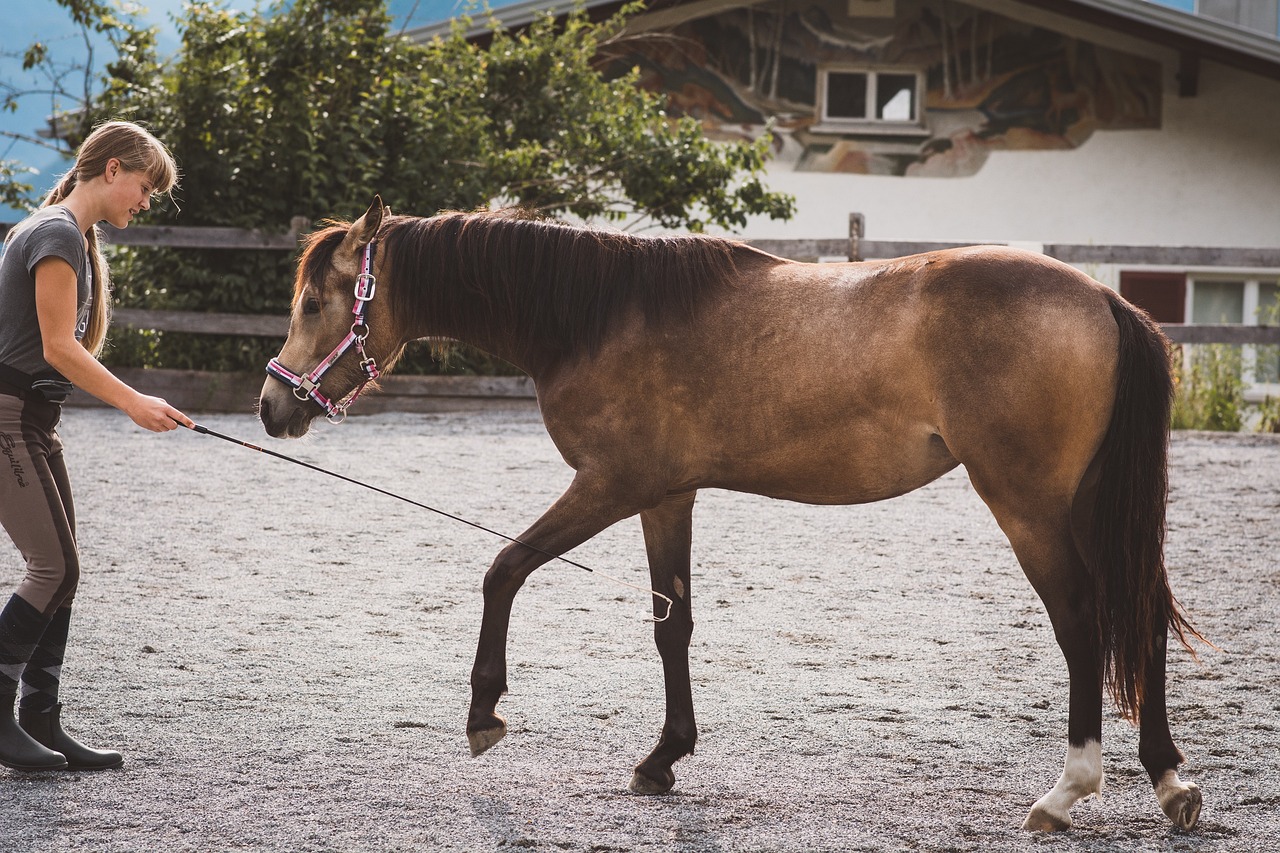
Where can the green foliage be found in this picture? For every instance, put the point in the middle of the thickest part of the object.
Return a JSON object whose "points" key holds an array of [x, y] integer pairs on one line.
{"points": [[312, 106], [1265, 369], [13, 190], [1269, 414], [1209, 394]]}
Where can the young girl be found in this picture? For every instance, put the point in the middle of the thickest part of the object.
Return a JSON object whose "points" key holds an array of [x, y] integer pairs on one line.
{"points": [[54, 310]]}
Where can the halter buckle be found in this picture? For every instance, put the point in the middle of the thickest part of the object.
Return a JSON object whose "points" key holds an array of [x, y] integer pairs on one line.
{"points": [[366, 285]]}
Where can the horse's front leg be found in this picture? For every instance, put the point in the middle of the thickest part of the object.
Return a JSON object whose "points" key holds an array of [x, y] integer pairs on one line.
{"points": [[668, 530], [587, 508]]}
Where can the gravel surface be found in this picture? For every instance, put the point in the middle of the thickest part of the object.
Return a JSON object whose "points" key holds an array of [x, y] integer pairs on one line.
{"points": [[284, 659]]}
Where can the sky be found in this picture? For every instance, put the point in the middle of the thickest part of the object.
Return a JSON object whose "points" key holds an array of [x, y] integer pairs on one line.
{"points": [[45, 21]]}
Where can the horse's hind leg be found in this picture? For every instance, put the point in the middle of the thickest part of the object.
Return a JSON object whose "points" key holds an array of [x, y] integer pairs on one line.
{"points": [[668, 530], [584, 510], [1179, 800], [1058, 574], [1039, 529]]}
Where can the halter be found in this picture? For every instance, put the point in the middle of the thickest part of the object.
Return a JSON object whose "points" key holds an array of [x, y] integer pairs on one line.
{"points": [[307, 387]]}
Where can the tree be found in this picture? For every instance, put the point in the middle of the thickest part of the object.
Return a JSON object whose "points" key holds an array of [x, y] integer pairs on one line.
{"points": [[71, 86], [312, 106]]}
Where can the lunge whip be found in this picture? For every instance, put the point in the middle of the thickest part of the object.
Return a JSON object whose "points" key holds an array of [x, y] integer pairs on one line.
{"points": [[203, 430]]}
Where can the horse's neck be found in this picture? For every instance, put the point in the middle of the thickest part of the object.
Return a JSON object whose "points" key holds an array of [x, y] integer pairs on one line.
{"points": [[498, 339]]}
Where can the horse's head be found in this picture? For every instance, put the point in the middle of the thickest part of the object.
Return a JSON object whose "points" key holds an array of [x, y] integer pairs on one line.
{"points": [[338, 334]]}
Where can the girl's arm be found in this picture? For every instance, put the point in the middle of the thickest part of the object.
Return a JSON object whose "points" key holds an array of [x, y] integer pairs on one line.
{"points": [[56, 310]]}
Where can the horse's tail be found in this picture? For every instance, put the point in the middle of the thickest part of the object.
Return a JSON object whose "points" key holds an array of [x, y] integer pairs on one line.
{"points": [[1125, 551]]}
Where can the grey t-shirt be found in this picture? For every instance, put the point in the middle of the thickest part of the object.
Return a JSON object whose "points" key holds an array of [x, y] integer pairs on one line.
{"points": [[50, 232]]}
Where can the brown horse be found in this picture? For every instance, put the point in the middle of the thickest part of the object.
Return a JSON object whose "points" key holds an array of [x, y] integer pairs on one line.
{"points": [[665, 365]]}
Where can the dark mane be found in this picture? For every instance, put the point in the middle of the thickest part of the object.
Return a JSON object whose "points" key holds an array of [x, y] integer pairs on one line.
{"points": [[544, 284]]}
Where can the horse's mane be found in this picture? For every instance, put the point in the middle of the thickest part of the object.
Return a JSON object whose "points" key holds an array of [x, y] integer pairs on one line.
{"points": [[544, 284]]}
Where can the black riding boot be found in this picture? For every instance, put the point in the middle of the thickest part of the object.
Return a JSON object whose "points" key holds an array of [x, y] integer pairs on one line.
{"points": [[18, 749], [45, 727]]}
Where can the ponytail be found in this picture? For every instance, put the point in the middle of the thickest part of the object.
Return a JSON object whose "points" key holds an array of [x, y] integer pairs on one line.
{"points": [[62, 189], [95, 334]]}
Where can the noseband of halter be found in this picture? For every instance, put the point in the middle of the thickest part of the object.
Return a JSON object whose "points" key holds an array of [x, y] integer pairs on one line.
{"points": [[307, 387]]}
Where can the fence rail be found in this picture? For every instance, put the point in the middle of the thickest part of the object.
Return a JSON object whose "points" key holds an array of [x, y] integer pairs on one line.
{"points": [[854, 247], [203, 323], [198, 237]]}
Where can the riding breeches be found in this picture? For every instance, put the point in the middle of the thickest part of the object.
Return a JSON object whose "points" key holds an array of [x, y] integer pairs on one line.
{"points": [[36, 507]]}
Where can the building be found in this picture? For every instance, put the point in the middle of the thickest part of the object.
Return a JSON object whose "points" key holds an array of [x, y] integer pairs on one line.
{"points": [[1137, 141]]}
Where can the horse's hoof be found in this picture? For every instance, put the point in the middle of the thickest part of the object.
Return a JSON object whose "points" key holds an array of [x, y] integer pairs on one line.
{"points": [[647, 785], [1181, 802], [481, 739], [1040, 819]]}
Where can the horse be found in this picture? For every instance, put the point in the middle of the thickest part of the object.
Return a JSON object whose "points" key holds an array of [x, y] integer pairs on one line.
{"points": [[668, 364]]}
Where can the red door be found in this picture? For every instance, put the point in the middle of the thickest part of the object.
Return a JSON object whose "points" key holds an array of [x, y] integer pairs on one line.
{"points": [[1163, 295]]}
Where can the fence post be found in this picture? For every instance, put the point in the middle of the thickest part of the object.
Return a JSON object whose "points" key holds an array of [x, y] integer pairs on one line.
{"points": [[299, 225], [857, 227]]}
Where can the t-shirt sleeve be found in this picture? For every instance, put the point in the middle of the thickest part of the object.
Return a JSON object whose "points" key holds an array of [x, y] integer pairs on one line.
{"points": [[53, 238]]}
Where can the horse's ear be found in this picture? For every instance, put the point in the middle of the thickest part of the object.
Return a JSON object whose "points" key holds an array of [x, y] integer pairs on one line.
{"points": [[366, 227]]}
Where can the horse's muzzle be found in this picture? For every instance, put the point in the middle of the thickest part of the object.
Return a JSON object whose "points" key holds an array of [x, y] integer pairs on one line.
{"points": [[283, 418]]}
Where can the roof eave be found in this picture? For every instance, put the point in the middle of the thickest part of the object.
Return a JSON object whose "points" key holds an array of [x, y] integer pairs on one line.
{"points": [[1181, 31]]}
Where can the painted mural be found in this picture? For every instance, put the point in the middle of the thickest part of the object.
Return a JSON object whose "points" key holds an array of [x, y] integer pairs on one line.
{"points": [[987, 82]]}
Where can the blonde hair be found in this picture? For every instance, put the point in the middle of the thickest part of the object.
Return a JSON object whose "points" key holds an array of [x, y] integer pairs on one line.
{"points": [[138, 151]]}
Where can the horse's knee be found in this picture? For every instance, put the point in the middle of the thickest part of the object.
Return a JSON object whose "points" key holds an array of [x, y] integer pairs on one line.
{"points": [[674, 634], [504, 579]]}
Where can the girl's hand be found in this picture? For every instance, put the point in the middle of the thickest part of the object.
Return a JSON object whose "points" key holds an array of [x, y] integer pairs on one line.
{"points": [[156, 415]]}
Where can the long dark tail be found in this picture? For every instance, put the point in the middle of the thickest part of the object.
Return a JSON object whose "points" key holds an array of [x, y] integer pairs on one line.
{"points": [[1135, 603]]}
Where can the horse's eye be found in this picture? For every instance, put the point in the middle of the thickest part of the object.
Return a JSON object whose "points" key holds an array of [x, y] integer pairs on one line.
{"points": [[311, 306]]}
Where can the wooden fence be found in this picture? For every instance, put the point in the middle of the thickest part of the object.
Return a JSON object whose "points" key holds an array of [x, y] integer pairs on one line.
{"points": [[209, 391]]}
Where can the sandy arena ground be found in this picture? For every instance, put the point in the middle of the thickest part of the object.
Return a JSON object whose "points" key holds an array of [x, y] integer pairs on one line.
{"points": [[284, 660]]}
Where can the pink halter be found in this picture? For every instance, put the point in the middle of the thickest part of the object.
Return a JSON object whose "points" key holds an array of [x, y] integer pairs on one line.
{"points": [[307, 387]]}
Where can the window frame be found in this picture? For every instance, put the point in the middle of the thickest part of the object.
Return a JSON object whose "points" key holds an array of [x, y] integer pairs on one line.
{"points": [[1252, 287], [916, 126]]}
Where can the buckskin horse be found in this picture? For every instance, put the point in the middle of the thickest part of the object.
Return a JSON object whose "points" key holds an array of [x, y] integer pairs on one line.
{"points": [[668, 364]]}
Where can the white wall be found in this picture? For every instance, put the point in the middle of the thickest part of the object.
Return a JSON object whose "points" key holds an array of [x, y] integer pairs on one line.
{"points": [[1209, 177]]}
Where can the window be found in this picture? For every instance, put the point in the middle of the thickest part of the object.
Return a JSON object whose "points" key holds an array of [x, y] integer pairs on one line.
{"points": [[1217, 302], [865, 100], [1268, 369], [1250, 301]]}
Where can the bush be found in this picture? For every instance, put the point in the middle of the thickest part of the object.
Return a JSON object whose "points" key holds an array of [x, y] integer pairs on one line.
{"points": [[1209, 394]]}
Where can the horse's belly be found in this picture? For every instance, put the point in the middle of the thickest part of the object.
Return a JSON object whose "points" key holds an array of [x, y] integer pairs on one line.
{"points": [[847, 473]]}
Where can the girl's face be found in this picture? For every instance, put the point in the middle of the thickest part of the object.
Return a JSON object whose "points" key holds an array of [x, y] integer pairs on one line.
{"points": [[128, 194]]}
